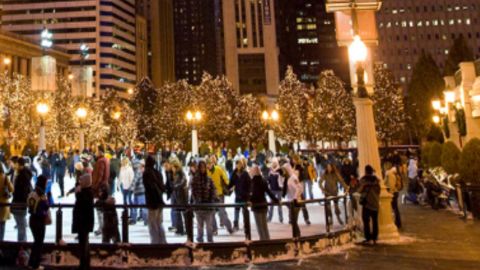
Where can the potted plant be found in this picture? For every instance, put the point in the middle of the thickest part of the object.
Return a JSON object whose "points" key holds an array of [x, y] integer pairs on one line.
{"points": [[470, 173]]}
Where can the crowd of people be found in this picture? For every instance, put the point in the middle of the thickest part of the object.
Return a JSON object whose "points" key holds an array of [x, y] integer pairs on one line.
{"points": [[148, 181]]}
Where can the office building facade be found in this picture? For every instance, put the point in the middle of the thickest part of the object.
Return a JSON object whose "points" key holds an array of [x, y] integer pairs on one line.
{"points": [[107, 27], [198, 39], [307, 40], [408, 27]]}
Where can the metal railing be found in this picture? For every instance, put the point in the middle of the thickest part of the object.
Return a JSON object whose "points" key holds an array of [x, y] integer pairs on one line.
{"points": [[189, 210]]}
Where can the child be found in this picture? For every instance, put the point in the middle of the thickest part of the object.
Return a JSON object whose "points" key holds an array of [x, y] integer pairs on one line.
{"points": [[110, 230]]}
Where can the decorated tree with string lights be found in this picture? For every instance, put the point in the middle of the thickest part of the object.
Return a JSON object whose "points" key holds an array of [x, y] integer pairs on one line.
{"points": [[389, 109], [214, 98], [335, 113], [143, 104], [18, 105], [173, 102], [292, 107], [248, 123], [62, 113]]}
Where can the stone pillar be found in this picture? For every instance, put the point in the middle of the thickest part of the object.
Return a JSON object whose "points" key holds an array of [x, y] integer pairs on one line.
{"points": [[82, 140], [271, 141], [41, 138], [194, 143], [24, 67], [467, 91], [368, 154]]}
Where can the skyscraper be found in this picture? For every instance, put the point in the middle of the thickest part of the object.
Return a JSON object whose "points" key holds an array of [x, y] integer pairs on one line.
{"points": [[161, 52], [251, 51], [408, 27], [198, 39], [307, 40], [107, 27]]}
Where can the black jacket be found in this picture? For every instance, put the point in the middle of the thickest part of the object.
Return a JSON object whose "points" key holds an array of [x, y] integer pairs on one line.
{"points": [[83, 216], [22, 187], [259, 189], [242, 184], [154, 187]]}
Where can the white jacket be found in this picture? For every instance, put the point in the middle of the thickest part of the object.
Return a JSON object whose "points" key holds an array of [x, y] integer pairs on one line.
{"points": [[294, 187], [126, 177]]}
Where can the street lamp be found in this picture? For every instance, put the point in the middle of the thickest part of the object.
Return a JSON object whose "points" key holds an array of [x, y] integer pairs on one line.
{"points": [[46, 39], [270, 118], [81, 113], [130, 91], [42, 109], [194, 118], [116, 116], [7, 61], [358, 55], [436, 104]]}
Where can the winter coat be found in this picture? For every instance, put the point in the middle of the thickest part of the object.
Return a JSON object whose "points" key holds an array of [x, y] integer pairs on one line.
{"points": [[22, 188], [273, 180], [293, 189], [110, 216], [138, 188], [6, 188], [203, 189], [83, 213], [347, 170], [60, 166], [126, 177], [38, 206], [219, 178], [393, 181], [242, 183], [370, 190], [180, 189], [259, 189], [114, 169], [329, 183], [154, 187], [101, 174]]}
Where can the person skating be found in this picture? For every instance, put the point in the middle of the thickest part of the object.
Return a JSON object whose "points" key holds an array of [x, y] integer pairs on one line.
{"points": [[258, 191], [329, 185], [154, 189], [241, 182]]}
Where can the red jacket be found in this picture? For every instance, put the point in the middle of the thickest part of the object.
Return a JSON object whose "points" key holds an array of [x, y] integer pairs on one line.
{"points": [[100, 174]]}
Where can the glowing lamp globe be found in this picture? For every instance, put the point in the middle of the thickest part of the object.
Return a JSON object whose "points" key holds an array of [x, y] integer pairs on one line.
{"points": [[42, 108], [358, 50], [81, 113]]}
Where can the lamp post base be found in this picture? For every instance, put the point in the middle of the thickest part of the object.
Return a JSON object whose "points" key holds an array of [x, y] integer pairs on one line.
{"points": [[368, 154]]}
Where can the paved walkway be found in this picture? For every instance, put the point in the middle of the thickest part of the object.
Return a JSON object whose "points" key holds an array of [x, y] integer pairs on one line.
{"points": [[430, 240]]}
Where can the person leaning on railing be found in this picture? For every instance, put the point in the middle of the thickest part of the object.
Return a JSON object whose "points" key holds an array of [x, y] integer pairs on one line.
{"points": [[259, 202], [203, 192]]}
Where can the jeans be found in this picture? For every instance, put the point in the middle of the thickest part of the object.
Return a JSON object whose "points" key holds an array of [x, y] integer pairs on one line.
{"points": [[84, 250], [155, 226], [308, 190], [222, 213], [2, 230], [278, 195], [367, 215], [61, 183], [337, 211], [37, 225], [127, 198], [236, 216], [139, 199], [205, 220], [20, 217], [179, 217], [396, 211], [261, 221]]}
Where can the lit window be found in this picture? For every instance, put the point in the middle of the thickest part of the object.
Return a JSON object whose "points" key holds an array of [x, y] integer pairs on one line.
{"points": [[468, 21], [446, 51]]}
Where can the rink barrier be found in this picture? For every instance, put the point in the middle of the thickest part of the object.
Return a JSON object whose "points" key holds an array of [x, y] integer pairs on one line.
{"points": [[191, 253]]}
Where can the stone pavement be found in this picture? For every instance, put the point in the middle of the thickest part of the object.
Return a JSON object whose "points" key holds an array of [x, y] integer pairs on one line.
{"points": [[430, 240]]}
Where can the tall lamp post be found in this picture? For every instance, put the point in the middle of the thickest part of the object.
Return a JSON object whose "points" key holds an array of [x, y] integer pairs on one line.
{"points": [[194, 118], [270, 118], [42, 109], [355, 20], [116, 116], [81, 114]]}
